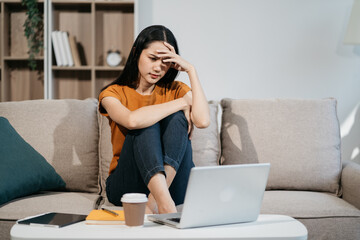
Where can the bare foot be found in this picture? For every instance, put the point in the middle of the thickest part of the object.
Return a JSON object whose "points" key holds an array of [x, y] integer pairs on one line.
{"points": [[168, 207], [159, 191]]}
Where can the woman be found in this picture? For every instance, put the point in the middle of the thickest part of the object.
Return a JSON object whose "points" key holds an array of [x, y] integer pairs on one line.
{"points": [[151, 118]]}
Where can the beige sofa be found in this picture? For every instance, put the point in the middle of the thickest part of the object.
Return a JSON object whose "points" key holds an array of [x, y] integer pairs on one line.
{"points": [[300, 138]]}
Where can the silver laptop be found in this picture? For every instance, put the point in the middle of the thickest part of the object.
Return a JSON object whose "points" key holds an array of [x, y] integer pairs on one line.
{"points": [[220, 195]]}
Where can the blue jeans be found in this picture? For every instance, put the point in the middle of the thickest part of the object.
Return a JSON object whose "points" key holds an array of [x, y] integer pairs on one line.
{"points": [[144, 153]]}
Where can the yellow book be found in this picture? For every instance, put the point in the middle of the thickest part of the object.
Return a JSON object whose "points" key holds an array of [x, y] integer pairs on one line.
{"points": [[101, 217]]}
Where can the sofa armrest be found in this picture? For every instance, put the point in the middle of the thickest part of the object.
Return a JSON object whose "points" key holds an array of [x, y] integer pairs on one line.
{"points": [[350, 181]]}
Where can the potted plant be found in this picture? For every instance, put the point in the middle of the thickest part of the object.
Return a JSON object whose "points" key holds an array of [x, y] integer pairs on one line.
{"points": [[33, 30]]}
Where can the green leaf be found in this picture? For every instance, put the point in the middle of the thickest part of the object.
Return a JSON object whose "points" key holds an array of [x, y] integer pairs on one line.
{"points": [[33, 30]]}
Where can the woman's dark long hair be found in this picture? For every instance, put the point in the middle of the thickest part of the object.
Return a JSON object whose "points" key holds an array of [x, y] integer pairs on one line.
{"points": [[130, 75]]}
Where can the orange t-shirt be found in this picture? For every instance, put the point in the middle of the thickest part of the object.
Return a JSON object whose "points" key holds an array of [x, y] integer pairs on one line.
{"points": [[133, 100]]}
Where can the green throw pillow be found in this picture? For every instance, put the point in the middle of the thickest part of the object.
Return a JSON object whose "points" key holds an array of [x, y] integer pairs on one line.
{"points": [[23, 171]]}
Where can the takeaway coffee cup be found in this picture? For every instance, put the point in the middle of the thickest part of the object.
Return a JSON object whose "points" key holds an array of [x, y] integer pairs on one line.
{"points": [[134, 208]]}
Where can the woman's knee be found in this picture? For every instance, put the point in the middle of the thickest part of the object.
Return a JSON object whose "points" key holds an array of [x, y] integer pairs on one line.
{"points": [[153, 129], [177, 118]]}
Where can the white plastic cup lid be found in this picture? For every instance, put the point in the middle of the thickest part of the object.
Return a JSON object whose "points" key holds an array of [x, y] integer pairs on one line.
{"points": [[134, 198]]}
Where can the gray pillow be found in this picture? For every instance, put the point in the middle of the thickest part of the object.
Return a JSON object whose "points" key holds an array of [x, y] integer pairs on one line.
{"points": [[206, 141], [300, 138]]}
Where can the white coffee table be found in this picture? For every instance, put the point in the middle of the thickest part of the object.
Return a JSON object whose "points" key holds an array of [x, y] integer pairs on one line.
{"points": [[266, 227]]}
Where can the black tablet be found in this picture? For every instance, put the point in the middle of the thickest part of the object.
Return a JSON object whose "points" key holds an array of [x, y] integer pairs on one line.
{"points": [[53, 219]]}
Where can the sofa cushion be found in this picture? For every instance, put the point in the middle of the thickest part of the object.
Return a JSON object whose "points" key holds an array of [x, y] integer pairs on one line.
{"points": [[65, 132], [205, 144], [23, 170], [300, 138], [325, 216], [306, 204], [334, 228], [65, 202]]}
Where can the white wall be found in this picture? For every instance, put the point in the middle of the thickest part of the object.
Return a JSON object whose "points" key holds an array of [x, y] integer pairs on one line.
{"points": [[268, 49]]}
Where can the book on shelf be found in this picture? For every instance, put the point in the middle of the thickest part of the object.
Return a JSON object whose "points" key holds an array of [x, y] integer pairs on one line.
{"points": [[62, 48], [66, 43], [74, 50], [56, 48], [101, 217], [65, 49]]}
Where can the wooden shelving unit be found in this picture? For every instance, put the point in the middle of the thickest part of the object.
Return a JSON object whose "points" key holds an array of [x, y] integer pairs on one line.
{"points": [[97, 25], [17, 81]]}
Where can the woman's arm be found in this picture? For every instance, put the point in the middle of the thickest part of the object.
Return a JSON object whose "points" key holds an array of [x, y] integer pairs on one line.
{"points": [[200, 113], [142, 117]]}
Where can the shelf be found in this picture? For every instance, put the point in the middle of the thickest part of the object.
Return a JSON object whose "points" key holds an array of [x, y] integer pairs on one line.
{"points": [[14, 15], [110, 36], [19, 1], [17, 81], [106, 68], [71, 3], [115, 3], [22, 83], [21, 58], [87, 68], [81, 68], [72, 84], [98, 26], [76, 20]]}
